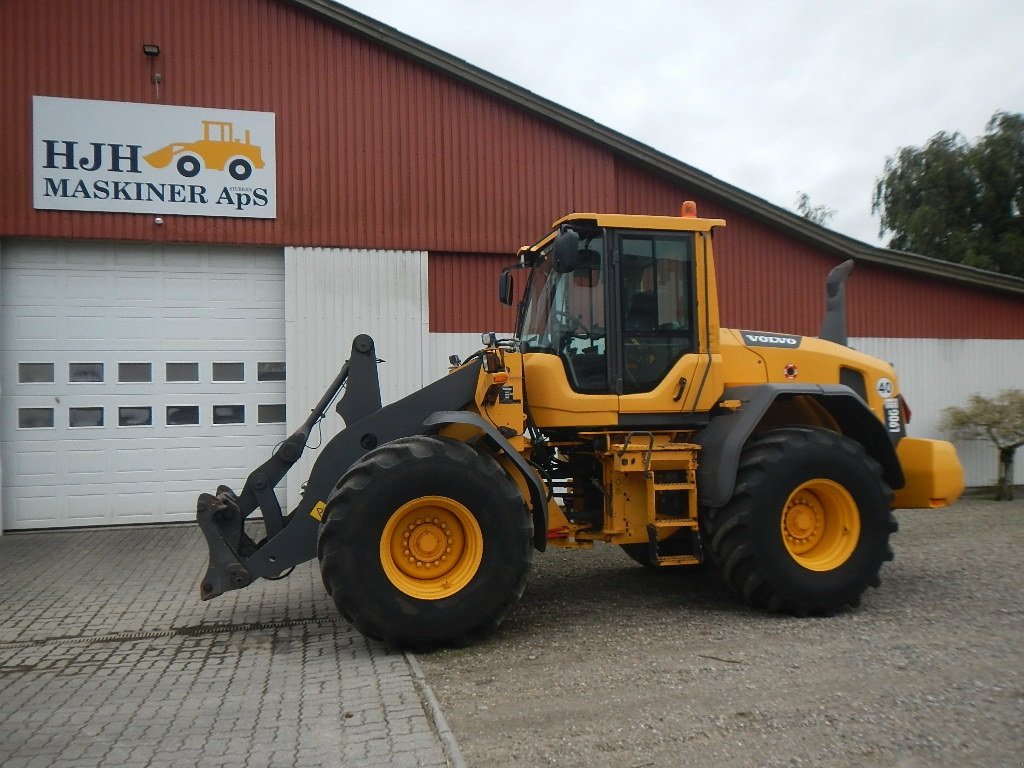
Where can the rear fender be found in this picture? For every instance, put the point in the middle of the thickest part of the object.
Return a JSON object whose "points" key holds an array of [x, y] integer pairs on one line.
{"points": [[723, 439]]}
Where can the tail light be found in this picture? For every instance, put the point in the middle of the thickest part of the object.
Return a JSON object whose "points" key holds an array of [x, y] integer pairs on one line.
{"points": [[904, 409]]}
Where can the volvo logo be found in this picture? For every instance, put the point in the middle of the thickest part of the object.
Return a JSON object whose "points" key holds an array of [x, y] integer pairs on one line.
{"points": [[760, 339]]}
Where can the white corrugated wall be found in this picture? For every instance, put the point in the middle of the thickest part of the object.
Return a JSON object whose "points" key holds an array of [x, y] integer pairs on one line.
{"points": [[937, 373], [331, 296]]}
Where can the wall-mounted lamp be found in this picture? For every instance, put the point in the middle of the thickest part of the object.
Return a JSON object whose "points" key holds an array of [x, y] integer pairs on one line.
{"points": [[152, 50]]}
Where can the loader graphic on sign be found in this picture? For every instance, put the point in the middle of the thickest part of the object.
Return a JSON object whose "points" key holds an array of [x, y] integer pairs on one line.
{"points": [[216, 150]]}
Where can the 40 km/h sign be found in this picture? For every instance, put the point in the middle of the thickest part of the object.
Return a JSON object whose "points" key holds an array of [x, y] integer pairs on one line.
{"points": [[150, 158]]}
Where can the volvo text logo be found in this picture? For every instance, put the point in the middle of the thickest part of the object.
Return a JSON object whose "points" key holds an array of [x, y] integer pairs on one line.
{"points": [[761, 339]]}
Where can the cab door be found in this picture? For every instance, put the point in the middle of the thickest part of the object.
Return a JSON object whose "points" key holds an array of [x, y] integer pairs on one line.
{"points": [[664, 364]]}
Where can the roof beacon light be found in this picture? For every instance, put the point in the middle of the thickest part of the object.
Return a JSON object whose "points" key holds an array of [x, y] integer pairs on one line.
{"points": [[688, 210]]}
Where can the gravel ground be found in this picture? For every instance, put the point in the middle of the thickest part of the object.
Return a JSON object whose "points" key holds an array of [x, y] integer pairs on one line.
{"points": [[606, 664]]}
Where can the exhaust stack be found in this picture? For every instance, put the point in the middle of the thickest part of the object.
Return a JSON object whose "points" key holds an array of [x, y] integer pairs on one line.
{"points": [[833, 324]]}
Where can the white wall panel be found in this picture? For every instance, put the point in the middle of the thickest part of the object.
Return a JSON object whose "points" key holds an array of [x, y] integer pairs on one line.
{"points": [[937, 373], [331, 296], [442, 345]]}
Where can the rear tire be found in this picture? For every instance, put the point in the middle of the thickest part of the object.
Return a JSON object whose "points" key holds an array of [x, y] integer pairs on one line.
{"points": [[807, 529], [425, 542]]}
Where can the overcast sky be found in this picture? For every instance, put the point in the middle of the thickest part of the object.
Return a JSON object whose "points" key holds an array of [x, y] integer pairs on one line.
{"points": [[774, 97]]}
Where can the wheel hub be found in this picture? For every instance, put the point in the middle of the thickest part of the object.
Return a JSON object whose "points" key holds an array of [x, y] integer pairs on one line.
{"points": [[803, 520], [431, 547], [426, 546], [820, 525]]}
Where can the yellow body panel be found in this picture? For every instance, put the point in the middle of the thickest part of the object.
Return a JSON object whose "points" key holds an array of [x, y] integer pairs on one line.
{"points": [[933, 473], [814, 361], [554, 404]]}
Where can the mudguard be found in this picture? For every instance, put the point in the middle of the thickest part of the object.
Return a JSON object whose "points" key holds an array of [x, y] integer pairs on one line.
{"points": [[723, 438], [538, 496]]}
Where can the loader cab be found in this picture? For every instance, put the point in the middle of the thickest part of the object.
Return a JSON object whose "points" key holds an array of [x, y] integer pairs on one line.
{"points": [[615, 299]]}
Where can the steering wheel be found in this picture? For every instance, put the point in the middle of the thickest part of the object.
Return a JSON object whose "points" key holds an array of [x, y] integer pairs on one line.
{"points": [[574, 325]]}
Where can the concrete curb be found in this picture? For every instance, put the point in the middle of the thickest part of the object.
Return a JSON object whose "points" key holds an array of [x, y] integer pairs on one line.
{"points": [[451, 747]]}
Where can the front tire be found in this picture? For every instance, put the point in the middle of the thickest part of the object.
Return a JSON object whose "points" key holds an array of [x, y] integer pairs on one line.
{"points": [[425, 542], [808, 527]]}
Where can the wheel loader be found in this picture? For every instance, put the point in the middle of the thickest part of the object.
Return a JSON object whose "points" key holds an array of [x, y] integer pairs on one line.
{"points": [[619, 412]]}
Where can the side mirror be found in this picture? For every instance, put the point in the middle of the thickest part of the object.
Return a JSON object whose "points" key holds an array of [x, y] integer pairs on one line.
{"points": [[566, 250], [505, 287]]}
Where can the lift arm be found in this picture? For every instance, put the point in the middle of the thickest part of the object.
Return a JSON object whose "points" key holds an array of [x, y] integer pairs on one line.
{"points": [[235, 559]]}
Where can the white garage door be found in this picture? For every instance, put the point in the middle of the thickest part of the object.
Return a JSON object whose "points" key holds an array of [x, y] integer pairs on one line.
{"points": [[135, 377]]}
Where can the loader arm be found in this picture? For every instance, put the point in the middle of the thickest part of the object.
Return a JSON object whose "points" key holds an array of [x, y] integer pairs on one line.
{"points": [[234, 559]]}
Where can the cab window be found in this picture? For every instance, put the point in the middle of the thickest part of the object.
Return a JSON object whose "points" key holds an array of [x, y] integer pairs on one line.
{"points": [[656, 290]]}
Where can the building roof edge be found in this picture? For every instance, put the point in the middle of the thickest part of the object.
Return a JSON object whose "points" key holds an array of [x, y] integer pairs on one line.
{"points": [[658, 162]]}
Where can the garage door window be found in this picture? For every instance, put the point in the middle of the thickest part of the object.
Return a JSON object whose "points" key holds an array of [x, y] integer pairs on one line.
{"points": [[270, 371], [271, 414], [182, 415], [85, 372], [135, 373], [134, 416], [35, 373], [85, 417], [182, 372], [35, 418], [229, 372], [229, 414]]}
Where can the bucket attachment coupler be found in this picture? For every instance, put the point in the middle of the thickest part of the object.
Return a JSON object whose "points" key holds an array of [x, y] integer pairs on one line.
{"points": [[221, 522]]}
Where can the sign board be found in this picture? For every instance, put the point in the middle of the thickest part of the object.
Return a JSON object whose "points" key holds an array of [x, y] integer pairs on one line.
{"points": [[152, 158]]}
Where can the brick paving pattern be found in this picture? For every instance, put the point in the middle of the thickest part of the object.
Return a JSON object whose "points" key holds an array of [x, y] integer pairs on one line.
{"points": [[108, 658]]}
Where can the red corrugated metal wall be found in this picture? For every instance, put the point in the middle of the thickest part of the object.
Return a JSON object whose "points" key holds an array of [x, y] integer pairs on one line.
{"points": [[375, 150], [464, 293]]}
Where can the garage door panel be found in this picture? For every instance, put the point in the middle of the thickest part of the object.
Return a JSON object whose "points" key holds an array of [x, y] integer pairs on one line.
{"points": [[32, 467], [181, 289], [86, 328], [85, 508], [36, 511], [85, 462], [42, 287], [138, 439], [35, 327]]}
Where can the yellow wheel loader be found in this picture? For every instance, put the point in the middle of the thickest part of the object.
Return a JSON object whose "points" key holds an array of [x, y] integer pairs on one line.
{"points": [[619, 412]]}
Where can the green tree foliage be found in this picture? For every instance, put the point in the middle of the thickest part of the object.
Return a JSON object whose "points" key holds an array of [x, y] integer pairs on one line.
{"points": [[959, 201], [819, 214], [999, 419]]}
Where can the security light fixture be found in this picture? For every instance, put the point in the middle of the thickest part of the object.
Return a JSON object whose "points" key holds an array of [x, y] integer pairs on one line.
{"points": [[151, 50]]}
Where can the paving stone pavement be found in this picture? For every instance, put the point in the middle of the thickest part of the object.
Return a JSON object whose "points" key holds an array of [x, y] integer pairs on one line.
{"points": [[108, 658]]}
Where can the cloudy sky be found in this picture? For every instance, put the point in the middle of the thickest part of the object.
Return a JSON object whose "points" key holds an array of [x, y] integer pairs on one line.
{"points": [[776, 97]]}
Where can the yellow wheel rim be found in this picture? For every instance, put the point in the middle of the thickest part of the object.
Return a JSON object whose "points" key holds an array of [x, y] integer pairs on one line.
{"points": [[820, 525], [431, 547]]}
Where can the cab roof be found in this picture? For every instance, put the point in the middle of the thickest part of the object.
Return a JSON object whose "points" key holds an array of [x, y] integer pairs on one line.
{"points": [[627, 221]]}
